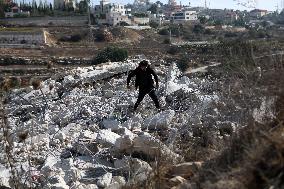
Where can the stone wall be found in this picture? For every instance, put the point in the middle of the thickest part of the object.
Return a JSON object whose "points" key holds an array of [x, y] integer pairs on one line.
{"points": [[21, 38], [48, 21]]}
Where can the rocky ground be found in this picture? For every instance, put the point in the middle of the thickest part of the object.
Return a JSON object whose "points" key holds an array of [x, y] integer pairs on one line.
{"points": [[75, 129]]}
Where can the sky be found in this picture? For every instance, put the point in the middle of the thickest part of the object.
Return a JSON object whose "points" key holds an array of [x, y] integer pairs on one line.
{"points": [[233, 4]]}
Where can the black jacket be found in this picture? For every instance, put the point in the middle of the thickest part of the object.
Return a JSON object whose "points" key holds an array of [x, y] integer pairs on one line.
{"points": [[144, 79]]}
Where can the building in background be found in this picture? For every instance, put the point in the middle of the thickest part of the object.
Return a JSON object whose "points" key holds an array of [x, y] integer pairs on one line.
{"points": [[258, 13], [180, 17], [157, 18], [16, 12], [111, 13]]}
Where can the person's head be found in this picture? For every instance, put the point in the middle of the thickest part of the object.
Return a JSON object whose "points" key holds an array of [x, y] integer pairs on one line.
{"points": [[143, 65]]}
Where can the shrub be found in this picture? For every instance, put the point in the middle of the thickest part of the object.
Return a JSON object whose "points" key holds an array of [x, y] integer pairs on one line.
{"points": [[113, 54], [72, 38], [123, 23], [198, 29], [176, 30], [140, 15], [103, 35], [153, 24], [23, 41], [36, 83], [167, 41], [75, 38], [183, 63], [164, 31], [173, 50], [208, 32]]}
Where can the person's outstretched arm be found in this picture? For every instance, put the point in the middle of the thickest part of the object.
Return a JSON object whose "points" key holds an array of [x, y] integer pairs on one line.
{"points": [[130, 75], [155, 77]]}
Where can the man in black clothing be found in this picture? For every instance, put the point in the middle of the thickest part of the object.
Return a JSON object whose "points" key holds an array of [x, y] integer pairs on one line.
{"points": [[144, 82]]}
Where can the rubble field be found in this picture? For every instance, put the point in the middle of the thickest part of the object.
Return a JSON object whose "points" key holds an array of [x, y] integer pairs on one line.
{"points": [[77, 130]]}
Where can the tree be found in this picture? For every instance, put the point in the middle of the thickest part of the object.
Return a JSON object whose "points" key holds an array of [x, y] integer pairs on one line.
{"points": [[40, 7], [69, 6], [198, 29], [50, 7], [83, 6], [240, 22], [159, 3], [153, 9], [113, 54], [1, 9], [153, 24], [203, 20], [218, 22]]}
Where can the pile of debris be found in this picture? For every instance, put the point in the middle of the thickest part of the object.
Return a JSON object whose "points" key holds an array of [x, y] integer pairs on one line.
{"points": [[76, 131]]}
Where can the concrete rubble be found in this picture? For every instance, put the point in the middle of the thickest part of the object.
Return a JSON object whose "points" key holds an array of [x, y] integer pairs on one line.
{"points": [[80, 133]]}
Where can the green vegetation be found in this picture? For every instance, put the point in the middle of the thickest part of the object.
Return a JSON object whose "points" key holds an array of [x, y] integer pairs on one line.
{"points": [[198, 29], [164, 31], [153, 9], [183, 63], [72, 38], [140, 15], [167, 41], [114, 54], [153, 24]]}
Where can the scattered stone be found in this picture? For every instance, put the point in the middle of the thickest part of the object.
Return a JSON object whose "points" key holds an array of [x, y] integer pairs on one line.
{"points": [[159, 121], [61, 136], [136, 167], [88, 135], [87, 149], [133, 123], [57, 182], [177, 180], [116, 182], [108, 94], [124, 143], [107, 138], [124, 131], [114, 125], [105, 180]]}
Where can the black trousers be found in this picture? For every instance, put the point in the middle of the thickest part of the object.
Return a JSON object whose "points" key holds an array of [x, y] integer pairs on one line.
{"points": [[143, 92]]}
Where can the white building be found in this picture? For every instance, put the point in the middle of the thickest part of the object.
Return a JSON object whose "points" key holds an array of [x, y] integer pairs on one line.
{"points": [[158, 18], [184, 16], [140, 20], [16, 11], [111, 13], [258, 13]]}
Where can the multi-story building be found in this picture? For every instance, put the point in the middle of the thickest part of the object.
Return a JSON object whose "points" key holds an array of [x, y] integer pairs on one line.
{"points": [[16, 11], [258, 13], [158, 18], [111, 13], [226, 16], [183, 16]]}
